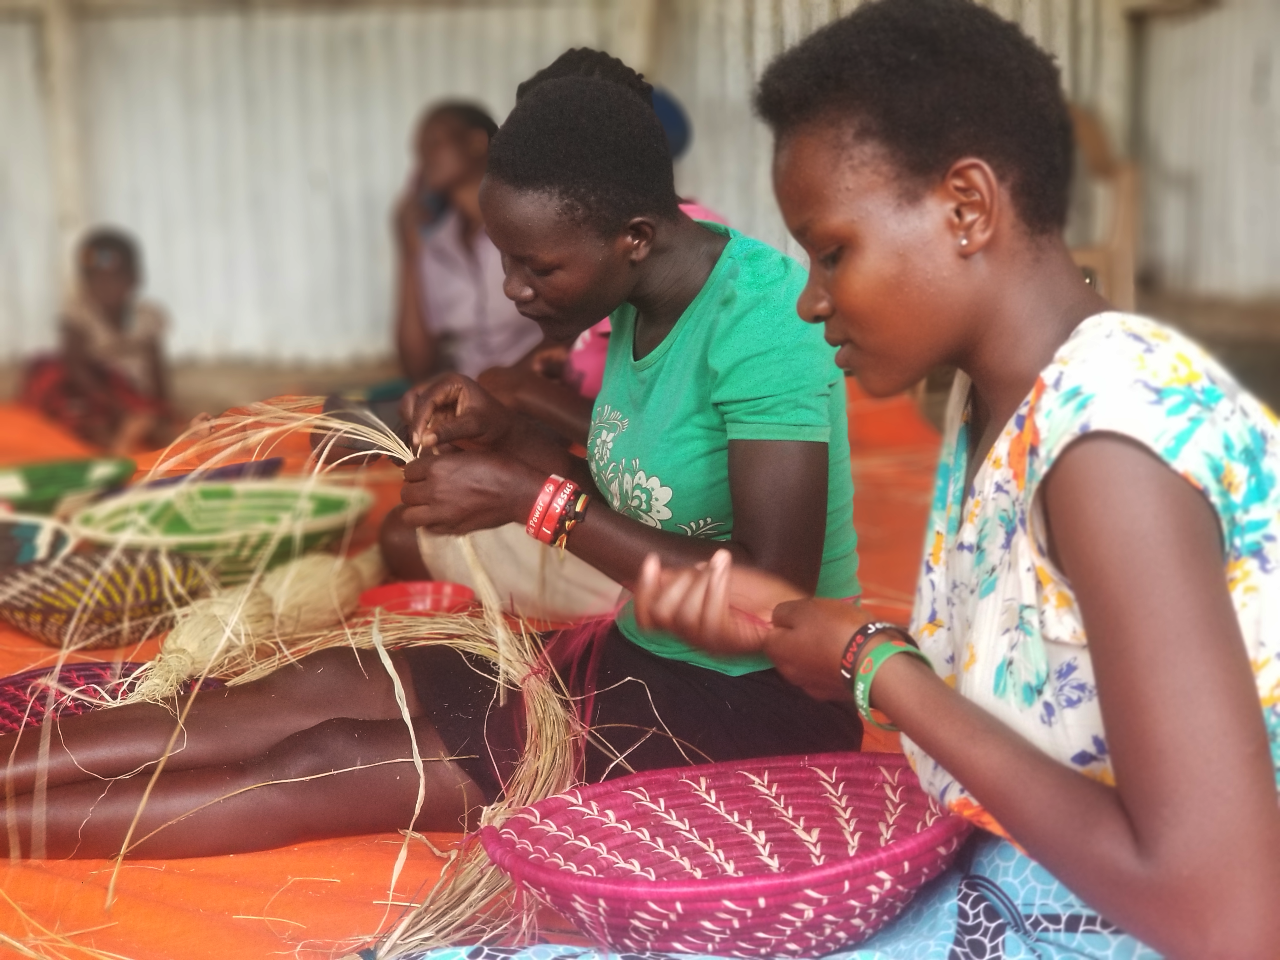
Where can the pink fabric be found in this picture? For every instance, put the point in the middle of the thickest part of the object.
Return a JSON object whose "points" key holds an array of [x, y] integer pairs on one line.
{"points": [[584, 367], [698, 212]]}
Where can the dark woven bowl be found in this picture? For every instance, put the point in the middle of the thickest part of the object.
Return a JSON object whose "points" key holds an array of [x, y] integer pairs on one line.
{"points": [[794, 856], [88, 601]]}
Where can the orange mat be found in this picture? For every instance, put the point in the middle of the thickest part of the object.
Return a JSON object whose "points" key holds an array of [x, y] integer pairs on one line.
{"points": [[320, 900]]}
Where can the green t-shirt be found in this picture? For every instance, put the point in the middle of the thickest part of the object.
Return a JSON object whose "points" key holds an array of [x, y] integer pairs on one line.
{"points": [[738, 365]]}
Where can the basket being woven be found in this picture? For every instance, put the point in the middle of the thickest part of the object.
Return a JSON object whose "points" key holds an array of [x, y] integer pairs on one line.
{"points": [[234, 527], [794, 856], [88, 601]]}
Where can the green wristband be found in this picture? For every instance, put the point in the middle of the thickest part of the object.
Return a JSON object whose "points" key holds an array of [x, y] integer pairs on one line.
{"points": [[866, 675]]}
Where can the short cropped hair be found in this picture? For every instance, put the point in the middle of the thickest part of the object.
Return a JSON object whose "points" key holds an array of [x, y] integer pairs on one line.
{"points": [[585, 62], [592, 143], [472, 116], [108, 247], [933, 81]]}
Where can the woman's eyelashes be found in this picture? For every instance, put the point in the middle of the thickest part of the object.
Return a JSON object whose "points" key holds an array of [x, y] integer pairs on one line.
{"points": [[830, 258]]}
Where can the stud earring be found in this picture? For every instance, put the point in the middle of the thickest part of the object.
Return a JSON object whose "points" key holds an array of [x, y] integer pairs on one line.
{"points": [[964, 241]]}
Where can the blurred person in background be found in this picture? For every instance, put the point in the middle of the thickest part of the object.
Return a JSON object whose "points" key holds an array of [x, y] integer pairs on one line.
{"points": [[559, 383], [451, 313], [108, 384]]}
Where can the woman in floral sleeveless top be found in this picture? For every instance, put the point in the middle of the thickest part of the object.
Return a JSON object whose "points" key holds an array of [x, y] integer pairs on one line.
{"points": [[1097, 681]]}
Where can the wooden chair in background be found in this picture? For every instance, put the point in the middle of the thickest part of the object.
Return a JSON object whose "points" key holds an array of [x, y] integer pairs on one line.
{"points": [[1112, 259]]}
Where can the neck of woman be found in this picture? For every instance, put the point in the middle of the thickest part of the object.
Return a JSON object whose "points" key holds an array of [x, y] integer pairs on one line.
{"points": [[1036, 303], [683, 256]]}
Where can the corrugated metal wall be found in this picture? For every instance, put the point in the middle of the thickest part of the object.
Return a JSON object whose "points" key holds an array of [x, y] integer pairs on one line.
{"points": [[28, 222], [713, 52], [257, 152], [1212, 150]]}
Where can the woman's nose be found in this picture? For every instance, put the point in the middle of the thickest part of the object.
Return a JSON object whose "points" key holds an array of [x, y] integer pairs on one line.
{"points": [[516, 289], [814, 305]]}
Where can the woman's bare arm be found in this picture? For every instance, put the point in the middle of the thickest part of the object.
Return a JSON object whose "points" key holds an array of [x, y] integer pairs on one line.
{"points": [[1183, 851]]}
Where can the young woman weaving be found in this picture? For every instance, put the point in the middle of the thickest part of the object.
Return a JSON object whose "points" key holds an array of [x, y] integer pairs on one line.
{"points": [[1099, 676], [720, 424]]}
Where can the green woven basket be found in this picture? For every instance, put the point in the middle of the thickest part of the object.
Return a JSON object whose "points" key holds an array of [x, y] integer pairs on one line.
{"points": [[42, 487], [233, 527]]}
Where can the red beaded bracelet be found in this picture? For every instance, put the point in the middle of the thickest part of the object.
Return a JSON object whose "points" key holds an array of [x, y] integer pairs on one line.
{"points": [[555, 511], [533, 527], [572, 517]]}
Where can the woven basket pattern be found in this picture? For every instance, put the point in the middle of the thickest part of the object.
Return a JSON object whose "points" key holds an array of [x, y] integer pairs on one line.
{"points": [[78, 688], [88, 601], [795, 856], [234, 527]]}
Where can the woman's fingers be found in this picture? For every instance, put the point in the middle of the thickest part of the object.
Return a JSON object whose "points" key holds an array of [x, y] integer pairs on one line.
{"points": [[666, 604], [648, 585]]}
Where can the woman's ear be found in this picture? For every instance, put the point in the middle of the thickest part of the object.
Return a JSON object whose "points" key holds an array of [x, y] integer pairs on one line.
{"points": [[975, 203], [637, 238]]}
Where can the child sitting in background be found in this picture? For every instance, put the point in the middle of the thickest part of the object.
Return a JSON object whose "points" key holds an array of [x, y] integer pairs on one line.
{"points": [[108, 384]]}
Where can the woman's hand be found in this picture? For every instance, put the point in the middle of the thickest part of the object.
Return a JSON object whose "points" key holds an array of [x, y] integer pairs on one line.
{"points": [[807, 641], [455, 493], [454, 408], [714, 605]]}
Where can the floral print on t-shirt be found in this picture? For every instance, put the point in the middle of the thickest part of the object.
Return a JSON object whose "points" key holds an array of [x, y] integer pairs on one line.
{"points": [[995, 616], [630, 490]]}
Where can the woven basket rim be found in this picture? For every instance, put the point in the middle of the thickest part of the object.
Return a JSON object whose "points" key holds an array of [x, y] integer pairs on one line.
{"points": [[525, 871], [358, 500]]}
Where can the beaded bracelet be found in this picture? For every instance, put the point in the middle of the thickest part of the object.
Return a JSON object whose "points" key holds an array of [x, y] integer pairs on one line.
{"points": [[858, 642], [549, 488], [573, 516], [555, 511], [866, 675]]}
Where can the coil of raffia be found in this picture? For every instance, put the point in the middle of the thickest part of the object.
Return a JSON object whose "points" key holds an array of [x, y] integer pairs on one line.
{"points": [[783, 857]]}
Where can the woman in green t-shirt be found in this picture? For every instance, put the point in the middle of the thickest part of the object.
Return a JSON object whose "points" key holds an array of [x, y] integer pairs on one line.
{"points": [[720, 423]]}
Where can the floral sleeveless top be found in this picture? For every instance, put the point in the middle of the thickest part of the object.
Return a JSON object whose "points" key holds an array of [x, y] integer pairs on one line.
{"points": [[999, 622]]}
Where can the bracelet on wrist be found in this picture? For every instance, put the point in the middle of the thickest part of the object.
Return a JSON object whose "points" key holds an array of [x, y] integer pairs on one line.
{"points": [[549, 489], [866, 675], [555, 511], [858, 643], [573, 515]]}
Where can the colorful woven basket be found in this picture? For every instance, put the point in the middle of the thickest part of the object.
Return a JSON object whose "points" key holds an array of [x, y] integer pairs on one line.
{"points": [[233, 527], [25, 539], [795, 856], [87, 601], [78, 688], [60, 484]]}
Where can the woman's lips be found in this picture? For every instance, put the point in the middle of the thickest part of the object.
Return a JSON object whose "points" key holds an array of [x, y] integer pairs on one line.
{"points": [[845, 356]]}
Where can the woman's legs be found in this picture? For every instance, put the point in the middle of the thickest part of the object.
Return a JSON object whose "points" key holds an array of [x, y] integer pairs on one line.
{"points": [[223, 726], [252, 767], [342, 777]]}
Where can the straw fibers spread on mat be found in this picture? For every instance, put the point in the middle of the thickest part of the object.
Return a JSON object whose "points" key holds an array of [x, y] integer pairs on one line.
{"points": [[262, 619]]}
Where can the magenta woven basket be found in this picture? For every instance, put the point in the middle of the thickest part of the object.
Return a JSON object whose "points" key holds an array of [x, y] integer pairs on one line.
{"points": [[793, 856]]}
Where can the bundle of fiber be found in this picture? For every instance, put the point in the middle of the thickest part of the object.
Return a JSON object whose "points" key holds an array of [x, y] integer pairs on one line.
{"points": [[784, 857], [87, 601], [213, 634]]}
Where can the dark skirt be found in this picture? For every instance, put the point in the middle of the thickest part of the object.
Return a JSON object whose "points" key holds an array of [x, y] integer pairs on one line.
{"points": [[654, 712]]}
